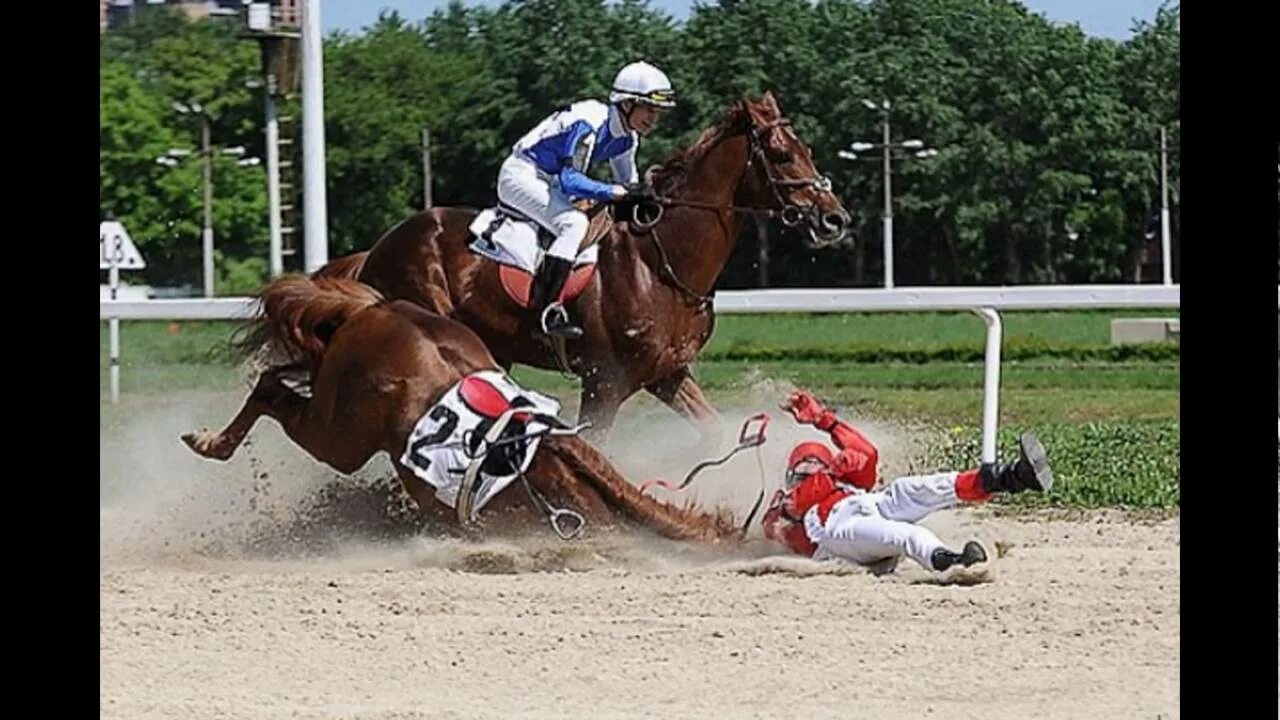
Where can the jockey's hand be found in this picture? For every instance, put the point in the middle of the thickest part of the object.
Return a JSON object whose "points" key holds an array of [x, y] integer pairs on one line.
{"points": [[620, 193], [640, 192], [804, 407], [775, 502]]}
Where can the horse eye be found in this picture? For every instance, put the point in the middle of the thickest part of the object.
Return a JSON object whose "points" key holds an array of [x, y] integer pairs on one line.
{"points": [[781, 157]]}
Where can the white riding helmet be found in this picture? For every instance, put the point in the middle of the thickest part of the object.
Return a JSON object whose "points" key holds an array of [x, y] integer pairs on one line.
{"points": [[645, 83]]}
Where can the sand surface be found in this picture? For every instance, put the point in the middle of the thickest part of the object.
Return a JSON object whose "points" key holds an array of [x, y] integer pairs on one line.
{"points": [[239, 590]]}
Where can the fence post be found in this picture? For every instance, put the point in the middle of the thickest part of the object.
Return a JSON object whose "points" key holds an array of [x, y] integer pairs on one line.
{"points": [[991, 383]]}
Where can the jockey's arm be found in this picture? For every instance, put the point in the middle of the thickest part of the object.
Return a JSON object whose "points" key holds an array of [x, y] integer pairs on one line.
{"points": [[781, 528], [575, 155], [846, 436], [811, 491]]}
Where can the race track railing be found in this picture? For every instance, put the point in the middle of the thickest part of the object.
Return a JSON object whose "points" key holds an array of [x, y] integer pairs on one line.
{"points": [[987, 302]]}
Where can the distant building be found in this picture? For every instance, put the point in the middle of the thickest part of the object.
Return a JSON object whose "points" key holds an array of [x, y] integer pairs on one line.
{"points": [[116, 13]]}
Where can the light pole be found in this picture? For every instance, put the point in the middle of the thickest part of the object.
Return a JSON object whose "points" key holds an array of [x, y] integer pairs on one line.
{"points": [[1166, 256], [174, 156], [888, 146]]}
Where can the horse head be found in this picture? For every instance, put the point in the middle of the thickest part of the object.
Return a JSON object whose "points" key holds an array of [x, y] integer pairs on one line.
{"points": [[782, 170]]}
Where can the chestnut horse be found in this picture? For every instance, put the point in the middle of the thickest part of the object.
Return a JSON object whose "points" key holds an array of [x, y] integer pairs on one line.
{"points": [[376, 367], [647, 311]]}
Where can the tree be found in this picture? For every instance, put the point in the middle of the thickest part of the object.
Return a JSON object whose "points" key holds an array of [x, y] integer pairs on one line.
{"points": [[1047, 172], [156, 61]]}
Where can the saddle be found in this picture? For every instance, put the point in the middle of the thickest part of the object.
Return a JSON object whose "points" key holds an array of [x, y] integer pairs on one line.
{"points": [[518, 243]]}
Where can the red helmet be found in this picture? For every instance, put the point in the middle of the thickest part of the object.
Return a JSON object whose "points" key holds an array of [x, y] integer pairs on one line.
{"points": [[806, 459]]}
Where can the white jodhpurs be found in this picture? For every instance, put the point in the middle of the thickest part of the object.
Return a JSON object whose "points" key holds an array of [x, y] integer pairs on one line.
{"points": [[538, 196], [870, 527]]}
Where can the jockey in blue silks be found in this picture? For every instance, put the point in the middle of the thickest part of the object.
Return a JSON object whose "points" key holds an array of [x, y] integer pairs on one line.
{"points": [[547, 170]]}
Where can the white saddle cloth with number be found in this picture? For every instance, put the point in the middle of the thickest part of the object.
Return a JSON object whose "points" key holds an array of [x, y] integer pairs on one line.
{"points": [[442, 444], [507, 238]]}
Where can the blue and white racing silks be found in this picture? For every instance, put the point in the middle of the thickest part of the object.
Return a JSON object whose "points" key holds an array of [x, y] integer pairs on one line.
{"points": [[573, 139]]}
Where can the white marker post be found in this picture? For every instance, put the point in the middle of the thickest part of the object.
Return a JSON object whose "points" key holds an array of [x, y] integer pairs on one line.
{"points": [[991, 382], [116, 250]]}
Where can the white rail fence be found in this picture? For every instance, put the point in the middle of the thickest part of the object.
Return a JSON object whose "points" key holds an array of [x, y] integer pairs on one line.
{"points": [[987, 302]]}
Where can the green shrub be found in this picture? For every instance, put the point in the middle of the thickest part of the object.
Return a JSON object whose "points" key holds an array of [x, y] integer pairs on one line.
{"points": [[1131, 465]]}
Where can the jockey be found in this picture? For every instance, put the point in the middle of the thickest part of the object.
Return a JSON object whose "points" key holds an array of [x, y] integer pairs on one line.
{"points": [[547, 170], [827, 508]]}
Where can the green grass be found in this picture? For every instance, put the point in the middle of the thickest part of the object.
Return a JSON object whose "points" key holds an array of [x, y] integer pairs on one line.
{"points": [[916, 330], [1109, 419], [798, 334], [1124, 465]]}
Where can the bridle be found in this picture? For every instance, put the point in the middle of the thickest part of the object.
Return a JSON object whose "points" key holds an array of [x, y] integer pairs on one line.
{"points": [[789, 213]]}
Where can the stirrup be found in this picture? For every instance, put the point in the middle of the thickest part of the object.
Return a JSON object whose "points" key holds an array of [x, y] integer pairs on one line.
{"points": [[561, 326]]}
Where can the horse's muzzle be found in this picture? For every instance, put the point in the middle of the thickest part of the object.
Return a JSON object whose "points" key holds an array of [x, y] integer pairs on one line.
{"points": [[829, 227]]}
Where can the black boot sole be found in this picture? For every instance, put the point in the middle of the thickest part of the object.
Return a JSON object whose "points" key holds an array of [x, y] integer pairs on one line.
{"points": [[1034, 452], [973, 553]]}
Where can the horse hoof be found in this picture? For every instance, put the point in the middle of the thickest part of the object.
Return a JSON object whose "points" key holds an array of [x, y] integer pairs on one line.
{"points": [[208, 444]]}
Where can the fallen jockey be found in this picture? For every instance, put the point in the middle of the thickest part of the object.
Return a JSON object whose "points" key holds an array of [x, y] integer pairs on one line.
{"points": [[546, 172], [828, 508]]}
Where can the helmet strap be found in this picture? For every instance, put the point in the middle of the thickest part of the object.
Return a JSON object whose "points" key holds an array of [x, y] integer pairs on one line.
{"points": [[625, 108]]}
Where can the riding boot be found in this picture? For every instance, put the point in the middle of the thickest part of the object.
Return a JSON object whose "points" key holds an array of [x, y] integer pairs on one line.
{"points": [[1030, 471], [942, 558], [545, 294]]}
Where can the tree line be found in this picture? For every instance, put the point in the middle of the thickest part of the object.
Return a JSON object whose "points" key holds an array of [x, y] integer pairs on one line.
{"points": [[1047, 168]]}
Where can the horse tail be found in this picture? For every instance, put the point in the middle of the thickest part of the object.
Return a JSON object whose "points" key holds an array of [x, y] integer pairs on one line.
{"points": [[298, 315], [347, 266], [668, 520]]}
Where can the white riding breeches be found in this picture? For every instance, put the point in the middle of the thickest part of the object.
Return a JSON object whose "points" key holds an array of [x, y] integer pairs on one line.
{"points": [[538, 195], [869, 527]]}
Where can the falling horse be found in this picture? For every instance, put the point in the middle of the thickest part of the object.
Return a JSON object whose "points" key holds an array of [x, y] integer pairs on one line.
{"points": [[379, 370], [644, 303]]}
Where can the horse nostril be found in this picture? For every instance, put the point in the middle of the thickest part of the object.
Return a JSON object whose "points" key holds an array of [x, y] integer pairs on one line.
{"points": [[835, 220]]}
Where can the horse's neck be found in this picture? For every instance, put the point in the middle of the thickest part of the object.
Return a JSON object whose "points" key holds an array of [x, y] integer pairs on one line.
{"points": [[699, 241]]}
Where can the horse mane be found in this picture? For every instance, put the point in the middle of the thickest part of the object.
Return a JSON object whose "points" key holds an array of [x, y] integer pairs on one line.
{"points": [[347, 266], [670, 176], [298, 314], [685, 523]]}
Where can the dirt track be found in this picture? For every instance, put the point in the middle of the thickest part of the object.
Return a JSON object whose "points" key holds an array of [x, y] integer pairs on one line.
{"points": [[1079, 619]]}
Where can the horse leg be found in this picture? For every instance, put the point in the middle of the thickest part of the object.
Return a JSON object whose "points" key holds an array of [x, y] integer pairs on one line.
{"points": [[340, 441], [346, 449], [222, 445], [680, 392], [602, 396]]}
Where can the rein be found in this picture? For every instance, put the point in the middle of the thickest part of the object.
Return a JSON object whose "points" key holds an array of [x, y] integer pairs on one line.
{"points": [[746, 439], [704, 302]]}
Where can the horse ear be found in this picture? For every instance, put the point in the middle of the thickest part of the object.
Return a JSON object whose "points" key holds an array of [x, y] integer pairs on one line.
{"points": [[746, 114], [770, 102]]}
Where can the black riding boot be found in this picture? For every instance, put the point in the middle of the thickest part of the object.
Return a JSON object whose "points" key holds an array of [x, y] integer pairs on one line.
{"points": [[943, 558], [544, 296], [1030, 471]]}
